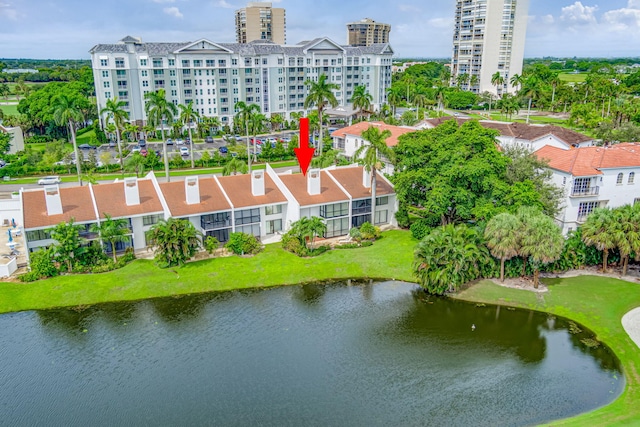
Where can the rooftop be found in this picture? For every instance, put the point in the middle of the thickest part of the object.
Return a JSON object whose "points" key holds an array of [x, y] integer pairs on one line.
{"points": [[211, 198], [358, 128], [589, 161]]}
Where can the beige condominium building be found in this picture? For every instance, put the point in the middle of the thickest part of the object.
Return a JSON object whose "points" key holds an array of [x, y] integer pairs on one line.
{"points": [[489, 37], [367, 32], [260, 21]]}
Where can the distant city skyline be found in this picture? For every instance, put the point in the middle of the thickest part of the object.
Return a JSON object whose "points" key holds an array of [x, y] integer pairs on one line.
{"points": [[56, 29]]}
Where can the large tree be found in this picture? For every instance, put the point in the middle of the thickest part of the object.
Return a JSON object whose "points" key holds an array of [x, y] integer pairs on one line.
{"points": [[243, 117], [68, 242], [174, 241], [541, 242], [159, 110], [114, 110], [503, 235], [599, 231], [361, 99], [371, 155], [626, 232], [188, 116], [321, 95], [112, 231], [67, 111]]}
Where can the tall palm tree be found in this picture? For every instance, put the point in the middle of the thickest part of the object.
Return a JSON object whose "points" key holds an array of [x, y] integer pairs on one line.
{"points": [[626, 232], [516, 81], [315, 227], [474, 80], [321, 95], [243, 117], [114, 109], [419, 100], [532, 89], [394, 98], [132, 130], [234, 166], [598, 231], [113, 231], [370, 155], [361, 99], [503, 234], [158, 111], [497, 80], [542, 242], [67, 112], [187, 117], [256, 122]]}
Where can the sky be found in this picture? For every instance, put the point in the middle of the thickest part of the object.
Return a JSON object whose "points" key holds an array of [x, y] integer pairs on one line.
{"points": [[67, 29]]}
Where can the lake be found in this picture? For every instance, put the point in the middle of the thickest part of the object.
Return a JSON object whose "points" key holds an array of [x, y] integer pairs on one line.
{"points": [[325, 355]]}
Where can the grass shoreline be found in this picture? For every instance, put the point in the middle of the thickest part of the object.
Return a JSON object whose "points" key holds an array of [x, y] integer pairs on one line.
{"points": [[596, 302]]}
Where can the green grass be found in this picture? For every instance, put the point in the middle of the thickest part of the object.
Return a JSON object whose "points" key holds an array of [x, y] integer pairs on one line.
{"points": [[85, 138], [143, 279], [573, 77], [599, 304], [10, 109]]}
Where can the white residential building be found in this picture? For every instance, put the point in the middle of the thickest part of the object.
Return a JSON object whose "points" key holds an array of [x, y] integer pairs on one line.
{"points": [[593, 177], [489, 37], [215, 76]]}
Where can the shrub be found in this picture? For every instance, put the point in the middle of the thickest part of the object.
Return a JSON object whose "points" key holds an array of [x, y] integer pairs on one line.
{"points": [[211, 244], [369, 231], [128, 256], [420, 228], [292, 243], [355, 234], [348, 246], [107, 265], [243, 244], [42, 266], [319, 250]]}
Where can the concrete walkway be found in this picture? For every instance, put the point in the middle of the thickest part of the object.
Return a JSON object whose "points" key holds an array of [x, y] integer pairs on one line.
{"points": [[631, 325]]}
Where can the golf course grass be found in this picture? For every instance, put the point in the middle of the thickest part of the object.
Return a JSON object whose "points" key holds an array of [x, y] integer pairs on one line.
{"points": [[597, 303]]}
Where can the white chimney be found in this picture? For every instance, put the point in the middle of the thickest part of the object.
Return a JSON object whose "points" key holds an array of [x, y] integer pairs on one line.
{"points": [[131, 193], [313, 182], [257, 183], [53, 200], [192, 190], [366, 178]]}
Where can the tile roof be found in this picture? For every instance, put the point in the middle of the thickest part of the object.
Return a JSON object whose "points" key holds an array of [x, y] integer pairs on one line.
{"points": [[358, 128], [76, 204], [589, 161], [110, 199], [522, 130], [329, 190], [211, 198], [238, 189], [351, 180]]}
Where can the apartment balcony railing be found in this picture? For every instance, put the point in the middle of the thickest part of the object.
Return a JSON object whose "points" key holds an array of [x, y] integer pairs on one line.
{"points": [[585, 192]]}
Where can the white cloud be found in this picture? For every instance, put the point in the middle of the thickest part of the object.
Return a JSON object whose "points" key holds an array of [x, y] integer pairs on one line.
{"points": [[633, 4], [579, 14], [409, 8], [7, 11], [163, 1], [224, 4], [173, 11], [622, 19]]}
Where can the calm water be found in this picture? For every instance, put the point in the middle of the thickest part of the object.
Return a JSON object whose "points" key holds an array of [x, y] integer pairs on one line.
{"points": [[381, 354]]}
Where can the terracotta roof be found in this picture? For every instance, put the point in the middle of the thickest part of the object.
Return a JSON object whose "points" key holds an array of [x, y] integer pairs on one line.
{"points": [[589, 161], [351, 179], [522, 130], [110, 199], [76, 204], [211, 198], [358, 128], [238, 188], [329, 190]]}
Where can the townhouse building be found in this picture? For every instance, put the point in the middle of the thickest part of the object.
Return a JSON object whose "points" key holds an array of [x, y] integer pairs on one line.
{"points": [[215, 76], [263, 203], [593, 177]]}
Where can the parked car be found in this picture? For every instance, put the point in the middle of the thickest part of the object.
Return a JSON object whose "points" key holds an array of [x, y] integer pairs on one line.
{"points": [[136, 149], [49, 180], [144, 152], [3, 163], [112, 143], [86, 146], [179, 141], [158, 153], [223, 150], [208, 139], [238, 138], [169, 141], [142, 143], [184, 151]]}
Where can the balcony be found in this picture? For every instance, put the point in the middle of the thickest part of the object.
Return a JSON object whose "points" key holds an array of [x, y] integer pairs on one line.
{"points": [[585, 192]]}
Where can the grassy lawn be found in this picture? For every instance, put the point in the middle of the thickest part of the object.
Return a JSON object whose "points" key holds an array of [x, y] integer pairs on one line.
{"points": [[10, 109], [85, 138], [573, 77], [390, 257], [599, 304]]}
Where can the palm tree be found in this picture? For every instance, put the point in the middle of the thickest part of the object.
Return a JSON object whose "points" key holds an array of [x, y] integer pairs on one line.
{"points": [[497, 80], [516, 80], [503, 233], [113, 231], [175, 241], [5, 91], [542, 242], [626, 232], [187, 116], [159, 110], [532, 89], [598, 231], [315, 227], [474, 80], [361, 99], [320, 94], [370, 155], [114, 109], [132, 130], [256, 122], [419, 100], [234, 166], [394, 97], [243, 117], [276, 121], [67, 112], [463, 80], [438, 93]]}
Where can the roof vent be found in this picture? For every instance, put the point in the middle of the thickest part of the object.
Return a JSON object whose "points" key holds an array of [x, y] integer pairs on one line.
{"points": [[313, 182], [53, 200], [131, 192], [192, 190]]}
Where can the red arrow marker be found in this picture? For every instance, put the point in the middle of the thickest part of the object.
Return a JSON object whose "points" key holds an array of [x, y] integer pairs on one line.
{"points": [[304, 153]]}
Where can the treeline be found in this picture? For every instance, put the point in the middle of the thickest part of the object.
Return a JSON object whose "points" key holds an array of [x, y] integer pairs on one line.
{"points": [[48, 70]]}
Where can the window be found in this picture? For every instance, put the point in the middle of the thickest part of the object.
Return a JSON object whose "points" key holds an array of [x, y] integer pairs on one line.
{"points": [[381, 201], [585, 208], [105, 73], [337, 227], [382, 217], [143, 62], [247, 216], [38, 235], [334, 210], [197, 63], [151, 219], [106, 84], [186, 63], [157, 62], [274, 226], [172, 73], [144, 73], [632, 175], [581, 186], [234, 61], [619, 180], [172, 62], [217, 220], [107, 95], [104, 62], [273, 209], [361, 206], [222, 234], [357, 221], [249, 229], [145, 83]]}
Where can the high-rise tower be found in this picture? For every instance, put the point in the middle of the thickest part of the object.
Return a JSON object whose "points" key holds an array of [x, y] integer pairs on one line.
{"points": [[367, 32], [488, 38], [260, 21]]}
